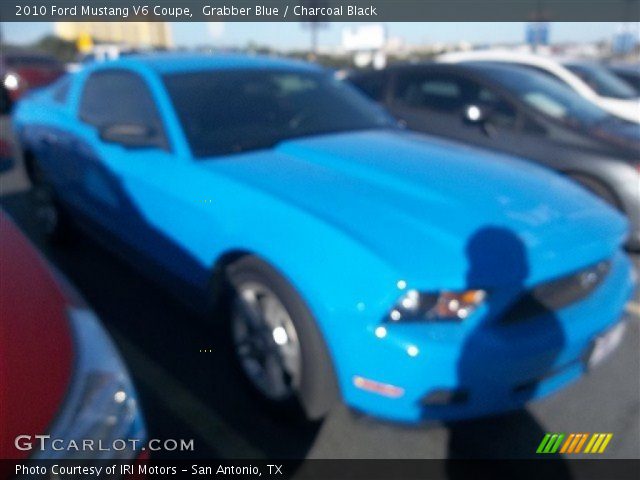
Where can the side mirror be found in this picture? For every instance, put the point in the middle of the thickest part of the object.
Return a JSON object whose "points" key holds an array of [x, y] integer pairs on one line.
{"points": [[475, 114], [130, 135], [479, 116]]}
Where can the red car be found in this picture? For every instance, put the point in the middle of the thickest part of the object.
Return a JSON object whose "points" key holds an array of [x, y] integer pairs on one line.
{"points": [[65, 392], [22, 71]]}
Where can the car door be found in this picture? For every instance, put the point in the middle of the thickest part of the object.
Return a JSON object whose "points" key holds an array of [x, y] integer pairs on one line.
{"points": [[430, 102], [133, 189], [437, 102], [55, 142], [121, 99]]}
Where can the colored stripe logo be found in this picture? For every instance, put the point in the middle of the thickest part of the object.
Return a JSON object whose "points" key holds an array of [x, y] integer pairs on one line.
{"points": [[574, 442]]}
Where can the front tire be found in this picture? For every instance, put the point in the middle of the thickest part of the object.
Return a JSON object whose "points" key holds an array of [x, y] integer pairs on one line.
{"points": [[276, 341]]}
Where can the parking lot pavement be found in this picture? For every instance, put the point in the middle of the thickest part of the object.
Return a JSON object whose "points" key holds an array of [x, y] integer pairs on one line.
{"points": [[189, 393]]}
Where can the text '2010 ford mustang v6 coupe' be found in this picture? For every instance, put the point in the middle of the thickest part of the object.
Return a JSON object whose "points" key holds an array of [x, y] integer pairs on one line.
{"points": [[411, 277]]}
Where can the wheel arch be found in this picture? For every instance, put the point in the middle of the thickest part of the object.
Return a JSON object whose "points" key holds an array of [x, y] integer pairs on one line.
{"points": [[588, 178], [217, 283], [315, 405]]}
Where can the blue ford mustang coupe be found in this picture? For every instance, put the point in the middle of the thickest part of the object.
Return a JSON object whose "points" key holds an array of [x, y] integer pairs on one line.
{"points": [[411, 277]]}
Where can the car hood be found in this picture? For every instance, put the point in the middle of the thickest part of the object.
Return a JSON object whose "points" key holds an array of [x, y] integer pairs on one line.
{"points": [[417, 202]]}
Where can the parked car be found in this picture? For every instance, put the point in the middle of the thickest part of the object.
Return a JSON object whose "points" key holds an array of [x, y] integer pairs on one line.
{"points": [[628, 73], [101, 53], [411, 277], [61, 374], [518, 112], [607, 93], [602, 81], [23, 71], [6, 145], [6, 148]]}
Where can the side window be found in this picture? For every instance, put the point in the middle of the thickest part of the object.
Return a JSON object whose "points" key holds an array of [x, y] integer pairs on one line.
{"points": [[531, 127], [119, 97], [442, 93], [501, 113], [371, 85]]}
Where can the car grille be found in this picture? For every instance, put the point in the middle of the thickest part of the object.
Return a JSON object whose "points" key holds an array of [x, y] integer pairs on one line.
{"points": [[557, 294]]}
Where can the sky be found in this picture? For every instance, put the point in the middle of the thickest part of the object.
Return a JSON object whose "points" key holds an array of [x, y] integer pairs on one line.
{"points": [[289, 35]]}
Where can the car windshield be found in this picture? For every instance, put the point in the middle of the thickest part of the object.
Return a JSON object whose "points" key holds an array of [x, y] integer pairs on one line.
{"points": [[230, 111], [548, 96], [602, 82]]}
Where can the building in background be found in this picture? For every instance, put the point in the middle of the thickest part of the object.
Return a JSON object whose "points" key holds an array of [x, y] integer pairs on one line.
{"points": [[131, 34], [366, 43]]}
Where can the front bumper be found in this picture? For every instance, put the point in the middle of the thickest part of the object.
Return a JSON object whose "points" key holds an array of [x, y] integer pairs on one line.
{"points": [[445, 372]]}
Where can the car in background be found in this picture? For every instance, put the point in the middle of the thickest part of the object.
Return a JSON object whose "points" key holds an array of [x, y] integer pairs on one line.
{"points": [[101, 53], [607, 92], [519, 112], [61, 374], [23, 71], [629, 73], [602, 80], [412, 277], [6, 144]]}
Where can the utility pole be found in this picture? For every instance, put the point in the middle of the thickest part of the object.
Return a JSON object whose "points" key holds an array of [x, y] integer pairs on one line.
{"points": [[314, 23]]}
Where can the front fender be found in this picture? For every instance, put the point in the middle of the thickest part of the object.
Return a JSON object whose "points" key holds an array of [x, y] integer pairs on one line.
{"points": [[347, 287], [338, 277]]}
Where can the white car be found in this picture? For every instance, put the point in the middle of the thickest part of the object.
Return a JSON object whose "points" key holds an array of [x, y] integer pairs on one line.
{"points": [[627, 107], [100, 53]]}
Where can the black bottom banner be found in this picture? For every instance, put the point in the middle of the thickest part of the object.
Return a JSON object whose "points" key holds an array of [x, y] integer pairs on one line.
{"points": [[539, 469]]}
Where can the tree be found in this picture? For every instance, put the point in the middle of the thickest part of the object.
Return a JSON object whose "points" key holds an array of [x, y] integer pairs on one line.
{"points": [[63, 50]]}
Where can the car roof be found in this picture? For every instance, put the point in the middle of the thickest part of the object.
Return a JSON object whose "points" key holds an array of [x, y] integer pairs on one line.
{"points": [[454, 68], [513, 56], [187, 62], [489, 72], [417, 66], [499, 67]]}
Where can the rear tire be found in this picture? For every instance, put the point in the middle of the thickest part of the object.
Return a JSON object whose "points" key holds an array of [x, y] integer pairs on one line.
{"points": [[52, 219], [278, 335]]}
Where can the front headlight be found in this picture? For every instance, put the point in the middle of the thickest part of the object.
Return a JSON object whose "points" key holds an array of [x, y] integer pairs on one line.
{"points": [[445, 305], [101, 405]]}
